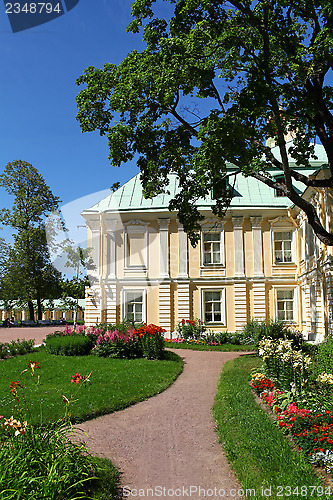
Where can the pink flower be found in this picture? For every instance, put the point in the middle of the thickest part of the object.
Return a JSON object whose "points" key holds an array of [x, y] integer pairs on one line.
{"points": [[76, 378]]}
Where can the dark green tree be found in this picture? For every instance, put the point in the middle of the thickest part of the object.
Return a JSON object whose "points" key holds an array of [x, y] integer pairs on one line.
{"points": [[28, 272], [216, 80]]}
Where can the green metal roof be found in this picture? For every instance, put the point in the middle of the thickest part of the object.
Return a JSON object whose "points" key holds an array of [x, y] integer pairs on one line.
{"points": [[249, 192]]}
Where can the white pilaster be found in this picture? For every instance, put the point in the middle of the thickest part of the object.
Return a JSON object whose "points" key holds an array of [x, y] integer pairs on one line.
{"points": [[111, 248], [239, 250], [111, 303], [240, 305], [259, 300], [164, 306], [257, 246], [164, 247], [183, 300], [182, 242]]}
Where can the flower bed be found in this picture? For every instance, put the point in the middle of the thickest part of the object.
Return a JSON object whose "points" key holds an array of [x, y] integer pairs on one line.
{"points": [[301, 403], [116, 341]]}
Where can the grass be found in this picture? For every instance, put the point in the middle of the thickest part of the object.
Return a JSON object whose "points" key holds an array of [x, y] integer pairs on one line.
{"points": [[204, 347], [115, 383], [44, 464], [257, 450]]}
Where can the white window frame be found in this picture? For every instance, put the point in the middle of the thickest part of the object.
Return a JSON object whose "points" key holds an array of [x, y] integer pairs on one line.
{"points": [[124, 302], [223, 306], [202, 243], [135, 227], [283, 288], [283, 230]]}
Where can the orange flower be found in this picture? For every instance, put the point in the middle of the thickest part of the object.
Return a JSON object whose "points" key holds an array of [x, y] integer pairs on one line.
{"points": [[33, 365], [13, 387]]}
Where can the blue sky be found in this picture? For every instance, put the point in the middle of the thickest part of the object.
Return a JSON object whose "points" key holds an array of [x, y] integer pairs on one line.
{"points": [[38, 123]]}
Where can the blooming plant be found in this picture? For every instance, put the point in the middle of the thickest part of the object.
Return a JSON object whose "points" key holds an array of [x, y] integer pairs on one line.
{"points": [[191, 329], [284, 363], [42, 461], [151, 341]]}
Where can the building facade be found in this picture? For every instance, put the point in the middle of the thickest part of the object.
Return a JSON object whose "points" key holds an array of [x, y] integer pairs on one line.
{"points": [[261, 261]]}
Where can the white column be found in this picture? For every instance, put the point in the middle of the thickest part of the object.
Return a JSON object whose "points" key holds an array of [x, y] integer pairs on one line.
{"points": [[257, 246], [182, 242], [164, 247], [239, 250], [111, 249], [94, 226]]}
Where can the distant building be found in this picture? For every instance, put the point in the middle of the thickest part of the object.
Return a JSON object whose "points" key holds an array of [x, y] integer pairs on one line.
{"points": [[53, 310], [261, 261]]}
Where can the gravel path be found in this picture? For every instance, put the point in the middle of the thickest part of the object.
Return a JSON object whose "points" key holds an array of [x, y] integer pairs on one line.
{"points": [[166, 446], [34, 332]]}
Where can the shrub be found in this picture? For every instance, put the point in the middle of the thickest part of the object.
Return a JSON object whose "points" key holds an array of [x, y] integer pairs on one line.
{"points": [[16, 348], [191, 329], [116, 344], [275, 329], [323, 358], [67, 345], [151, 341]]}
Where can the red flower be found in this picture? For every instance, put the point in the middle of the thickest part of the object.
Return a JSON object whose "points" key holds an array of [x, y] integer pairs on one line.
{"points": [[76, 378], [13, 387]]}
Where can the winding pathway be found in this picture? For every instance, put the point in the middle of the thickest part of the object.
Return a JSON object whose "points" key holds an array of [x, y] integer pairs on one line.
{"points": [[166, 446]]}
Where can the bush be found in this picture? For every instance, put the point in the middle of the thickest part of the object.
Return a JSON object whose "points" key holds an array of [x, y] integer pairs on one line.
{"points": [[16, 348], [191, 329], [116, 344], [323, 358], [275, 329], [69, 345], [151, 341]]}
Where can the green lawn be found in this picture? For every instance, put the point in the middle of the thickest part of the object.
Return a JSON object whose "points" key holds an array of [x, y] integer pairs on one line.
{"points": [[115, 384], [204, 347], [255, 447]]}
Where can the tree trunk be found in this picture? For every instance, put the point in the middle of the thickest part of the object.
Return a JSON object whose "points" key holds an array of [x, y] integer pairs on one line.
{"points": [[31, 311], [39, 309]]}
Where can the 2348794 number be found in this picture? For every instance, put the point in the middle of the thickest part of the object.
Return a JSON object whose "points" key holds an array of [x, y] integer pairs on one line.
{"points": [[32, 8]]}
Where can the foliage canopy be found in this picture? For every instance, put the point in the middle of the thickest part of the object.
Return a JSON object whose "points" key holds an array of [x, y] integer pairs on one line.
{"points": [[216, 80]]}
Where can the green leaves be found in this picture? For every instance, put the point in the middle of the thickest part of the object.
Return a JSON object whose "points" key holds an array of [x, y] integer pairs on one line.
{"points": [[215, 81]]}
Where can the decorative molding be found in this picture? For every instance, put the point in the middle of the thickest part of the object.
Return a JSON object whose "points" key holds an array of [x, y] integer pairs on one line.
{"points": [[237, 222], [164, 224], [288, 221], [256, 222], [136, 222]]}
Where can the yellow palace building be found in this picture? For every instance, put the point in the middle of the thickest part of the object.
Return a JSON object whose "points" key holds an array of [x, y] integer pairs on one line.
{"points": [[261, 261]]}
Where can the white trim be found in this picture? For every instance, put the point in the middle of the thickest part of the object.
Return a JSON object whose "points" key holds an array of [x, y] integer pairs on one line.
{"points": [[212, 265], [144, 301], [283, 229], [276, 288], [223, 321]]}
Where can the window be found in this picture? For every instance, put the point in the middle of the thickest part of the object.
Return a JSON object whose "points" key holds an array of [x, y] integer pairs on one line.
{"points": [[285, 305], [134, 306], [212, 248], [278, 191], [282, 246], [213, 306]]}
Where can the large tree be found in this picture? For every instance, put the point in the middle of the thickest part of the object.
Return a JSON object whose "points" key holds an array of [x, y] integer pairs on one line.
{"points": [[216, 80], [28, 272]]}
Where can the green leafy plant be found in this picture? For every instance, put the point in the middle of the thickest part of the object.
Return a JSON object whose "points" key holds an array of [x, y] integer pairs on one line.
{"points": [[191, 329], [16, 348], [43, 461], [75, 345]]}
